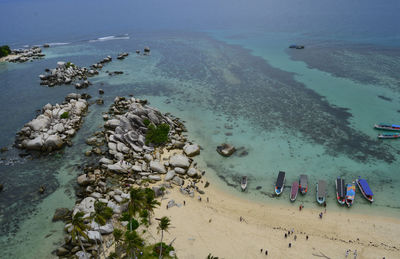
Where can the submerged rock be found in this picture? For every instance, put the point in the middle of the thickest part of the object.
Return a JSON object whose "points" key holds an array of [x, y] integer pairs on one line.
{"points": [[61, 214], [226, 150]]}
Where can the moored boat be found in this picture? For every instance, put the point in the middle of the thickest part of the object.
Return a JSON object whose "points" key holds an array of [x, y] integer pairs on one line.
{"points": [[350, 194], [340, 191], [294, 46], [321, 192], [387, 126], [280, 183], [388, 136], [243, 183], [365, 190], [303, 184], [294, 191]]}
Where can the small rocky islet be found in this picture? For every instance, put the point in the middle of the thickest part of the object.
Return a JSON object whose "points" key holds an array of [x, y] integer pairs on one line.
{"points": [[54, 127], [130, 161]]}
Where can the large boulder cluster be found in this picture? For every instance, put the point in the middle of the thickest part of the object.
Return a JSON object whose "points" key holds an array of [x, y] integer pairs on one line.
{"points": [[54, 126], [24, 55], [132, 162]]}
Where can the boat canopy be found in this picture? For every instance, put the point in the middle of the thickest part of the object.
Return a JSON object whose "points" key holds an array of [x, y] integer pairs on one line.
{"points": [[365, 187], [340, 187], [351, 191], [280, 180], [295, 188], [389, 125], [321, 188], [303, 180]]}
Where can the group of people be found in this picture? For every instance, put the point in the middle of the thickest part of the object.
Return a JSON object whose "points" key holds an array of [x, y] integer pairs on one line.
{"points": [[266, 251], [349, 250]]}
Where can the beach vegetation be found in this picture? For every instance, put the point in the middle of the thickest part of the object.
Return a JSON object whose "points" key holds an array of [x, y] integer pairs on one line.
{"points": [[157, 135], [210, 256], [4, 51], [133, 243], [132, 225], [101, 213], [65, 115], [146, 122], [150, 202], [164, 248], [163, 225], [144, 218], [69, 64], [79, 229]]}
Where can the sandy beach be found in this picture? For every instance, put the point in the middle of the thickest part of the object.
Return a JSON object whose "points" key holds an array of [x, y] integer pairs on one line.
{"points": [[202, 227]]}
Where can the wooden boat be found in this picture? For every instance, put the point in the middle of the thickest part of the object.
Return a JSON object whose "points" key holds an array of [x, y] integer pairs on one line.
{"points": [[280, 183], [294, 191], [340, 191], [365, 190], [388, 136], [243, 183], [387, 126], [294, 46], [350, 194], [303, 184], [321, 192]]}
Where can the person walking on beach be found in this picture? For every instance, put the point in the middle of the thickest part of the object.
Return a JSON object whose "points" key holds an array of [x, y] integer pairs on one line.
{"points": [[184, 203], [347, 253], [355, 254], [285, 235], [307, 237], [261, 250], [208, 200], [266, 252], [320, 215], [290, 245], [295, 237]]}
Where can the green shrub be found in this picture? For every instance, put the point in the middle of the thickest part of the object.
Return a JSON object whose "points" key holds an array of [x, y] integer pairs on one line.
{"points": [[4, 51], [165, 249], [146, 122], [64, 115], [69, 64], [157, 135], [135, 225]]}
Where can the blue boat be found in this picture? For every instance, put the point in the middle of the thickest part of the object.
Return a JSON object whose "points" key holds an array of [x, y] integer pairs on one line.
{"points": [[296, 46], [365, 190], [280, 183], [387, 126]]}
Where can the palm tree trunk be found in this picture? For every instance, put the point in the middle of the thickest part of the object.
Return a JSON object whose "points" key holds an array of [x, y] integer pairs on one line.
{"points": [[149, 218], [162, 234], [80, 243]]}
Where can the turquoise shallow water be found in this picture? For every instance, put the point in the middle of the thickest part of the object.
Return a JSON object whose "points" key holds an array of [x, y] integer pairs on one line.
{"points": [[228, 87]]}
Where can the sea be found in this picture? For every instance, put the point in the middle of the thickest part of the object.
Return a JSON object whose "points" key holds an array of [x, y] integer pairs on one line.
{"points": [[223, 67]]}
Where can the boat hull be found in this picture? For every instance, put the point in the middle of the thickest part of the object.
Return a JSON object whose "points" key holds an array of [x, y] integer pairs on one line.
{"points": [[350, 194], [278, 191], [387, 128], [370, 199]]}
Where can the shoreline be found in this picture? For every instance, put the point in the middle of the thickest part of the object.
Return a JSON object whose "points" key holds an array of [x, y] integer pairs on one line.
{"points": [[265, 225]]}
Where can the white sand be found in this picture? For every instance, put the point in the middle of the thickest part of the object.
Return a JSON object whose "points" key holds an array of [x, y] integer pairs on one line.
{"points": [[264, 227]]}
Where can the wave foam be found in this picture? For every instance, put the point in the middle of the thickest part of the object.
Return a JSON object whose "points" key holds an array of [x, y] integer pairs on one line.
{"points": [[120, 37]]}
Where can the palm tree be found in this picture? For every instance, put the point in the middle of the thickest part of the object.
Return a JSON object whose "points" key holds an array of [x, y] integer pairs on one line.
{"points": [[163, 225], [101, 214], [150, 202], [78, 229], [136, 202], [133, 242]]}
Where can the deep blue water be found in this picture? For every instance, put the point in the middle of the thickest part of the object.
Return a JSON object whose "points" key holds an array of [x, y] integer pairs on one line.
{"points": [[213, 63]]}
